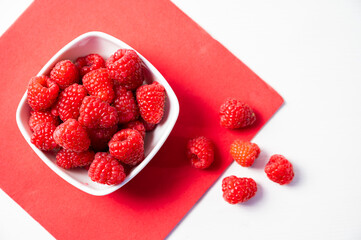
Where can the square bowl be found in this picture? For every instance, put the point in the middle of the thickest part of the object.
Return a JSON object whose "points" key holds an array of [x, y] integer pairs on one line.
{"points": [[104, 45]]}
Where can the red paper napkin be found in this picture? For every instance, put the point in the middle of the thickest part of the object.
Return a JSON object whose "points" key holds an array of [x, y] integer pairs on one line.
{"points": [[199, 69]]}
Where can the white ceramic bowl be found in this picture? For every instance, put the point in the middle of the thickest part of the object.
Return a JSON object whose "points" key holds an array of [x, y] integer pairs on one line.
{"points": [[104, 45]]}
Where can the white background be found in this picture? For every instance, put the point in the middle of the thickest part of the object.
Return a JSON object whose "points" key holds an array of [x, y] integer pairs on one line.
{"points": [[310, 52]]}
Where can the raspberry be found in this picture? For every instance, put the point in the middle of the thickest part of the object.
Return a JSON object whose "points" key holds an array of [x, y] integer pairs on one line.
{"points": [[89, 63], [125, 68], [236, 114], [237, 190], [200, 152], [244, 152], [38, 117], [69, 102], [68, 159], [64, 74], [94, 113], [136, 125], [42, 136], [148, 126], [279, 169], [127, 146], [71, 135], [106, 169], [151, 99], [99, 137], [42, 93], [99, 84], [125, 104]]}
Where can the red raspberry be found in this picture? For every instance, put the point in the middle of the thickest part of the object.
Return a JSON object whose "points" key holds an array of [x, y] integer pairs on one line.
{"points": [[68, 159], [106, 169], [99, 84], [237, 190], [99, 137], [125, 68], [136, 125], [71, 135], [42, 93], [38, 117], [151, 100], [125, 104], [89, 63], [94, 113], [64, 74], [148, 126], [69, 102], [279, 169], [236, 114], [42, 136], [244, 152], [200, 152], [127, 146]]}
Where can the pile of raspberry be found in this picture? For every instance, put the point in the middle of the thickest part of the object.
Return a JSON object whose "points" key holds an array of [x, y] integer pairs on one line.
{"points": [[95, 113], [235, 114]]}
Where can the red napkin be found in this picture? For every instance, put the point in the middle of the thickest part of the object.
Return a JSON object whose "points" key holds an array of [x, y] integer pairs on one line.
{"points": [[199, 69]]}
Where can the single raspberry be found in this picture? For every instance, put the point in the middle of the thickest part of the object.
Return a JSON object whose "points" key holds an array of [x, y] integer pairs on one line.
{"points": [[125, 104], [89, 63], [237, 190], [127, 146], [94, 113], [99, 137], [279, 169], [98, 84], [42, 93], [125, 68], [68, 159], [200, 152], [106, 169], [69, 102], [136, 125], [72, 135], [148, 126], [236, 114], [39, 117], [244, 152], [42, 136], [151, 100], [64, 74]]}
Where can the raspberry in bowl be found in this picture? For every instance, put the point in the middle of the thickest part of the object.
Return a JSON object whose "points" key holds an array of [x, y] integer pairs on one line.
{"points": [[102, 45]]}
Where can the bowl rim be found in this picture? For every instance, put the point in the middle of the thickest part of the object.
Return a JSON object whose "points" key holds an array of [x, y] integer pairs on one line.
{"points": [[172, 118]]}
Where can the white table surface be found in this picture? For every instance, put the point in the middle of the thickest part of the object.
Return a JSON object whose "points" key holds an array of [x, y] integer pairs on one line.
{"points": [[310, 52]]}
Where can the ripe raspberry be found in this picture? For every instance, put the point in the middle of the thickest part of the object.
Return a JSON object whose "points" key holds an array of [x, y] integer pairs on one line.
{"points": [[151, 100], [64, 74], [106, 169], [94, 113], [99, 137], [42, 93], [236, 114], [42, 136], [237, 190], [279, 169], [68, 159], [98, 84], [244, 152], [125, 68], [127, 146], [200, 152], [71, 135], [148, 126], [125, 104], [89, 63], [69, 102], [39, 117], [136, 125]]}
